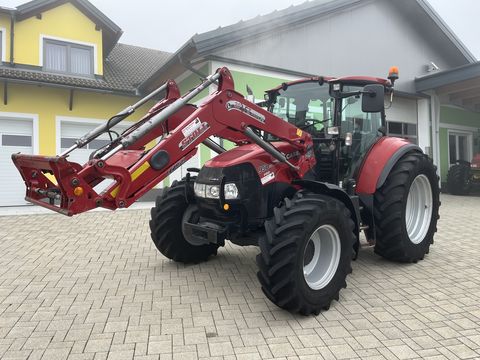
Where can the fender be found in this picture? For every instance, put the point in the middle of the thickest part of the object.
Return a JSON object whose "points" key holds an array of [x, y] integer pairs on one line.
{"points": [[379, 161], [351, 202]]}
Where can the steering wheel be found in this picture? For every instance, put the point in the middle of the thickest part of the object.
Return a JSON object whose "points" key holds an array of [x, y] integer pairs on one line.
{"points": [[312, 123]]}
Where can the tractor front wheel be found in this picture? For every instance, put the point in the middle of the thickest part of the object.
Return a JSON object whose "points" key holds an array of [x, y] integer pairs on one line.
{"points": [[406, 209], [306, 253], [166, 226]]}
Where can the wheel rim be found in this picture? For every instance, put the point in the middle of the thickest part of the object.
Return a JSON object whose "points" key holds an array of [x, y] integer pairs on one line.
{"points": [[418, 212], [321, 257]]}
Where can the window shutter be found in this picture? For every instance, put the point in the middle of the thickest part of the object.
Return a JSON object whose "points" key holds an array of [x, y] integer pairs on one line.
{"points": [[55, 57]]}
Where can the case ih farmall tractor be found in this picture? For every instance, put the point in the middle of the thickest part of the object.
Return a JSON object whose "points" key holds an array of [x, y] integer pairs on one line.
{"points": [[311, 169]]}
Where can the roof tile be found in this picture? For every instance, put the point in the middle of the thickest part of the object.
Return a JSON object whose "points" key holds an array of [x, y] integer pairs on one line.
{"points": [[125, 68]]}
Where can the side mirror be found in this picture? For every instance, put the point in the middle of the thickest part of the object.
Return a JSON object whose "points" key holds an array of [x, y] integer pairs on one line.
{"points": [[373, 98]]}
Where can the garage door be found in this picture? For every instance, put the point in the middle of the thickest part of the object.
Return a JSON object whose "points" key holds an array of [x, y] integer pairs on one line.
{"points": [[16, 135], [71, 131]]}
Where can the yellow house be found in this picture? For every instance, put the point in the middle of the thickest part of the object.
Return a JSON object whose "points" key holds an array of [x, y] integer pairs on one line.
{"points": [[63, 72]]}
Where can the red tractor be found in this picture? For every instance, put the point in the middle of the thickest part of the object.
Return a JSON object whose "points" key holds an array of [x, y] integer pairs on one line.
{"points": [[463, 176], [311, 169]]}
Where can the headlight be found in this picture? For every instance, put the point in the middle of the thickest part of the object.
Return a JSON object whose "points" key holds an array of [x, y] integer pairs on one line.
{"points": [[199, 189], [231, 192], [212, 191], [333, 130]]}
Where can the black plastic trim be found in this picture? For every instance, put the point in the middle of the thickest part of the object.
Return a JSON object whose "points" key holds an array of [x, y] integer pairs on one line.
{"points": [[159, 160], [393, 160]]}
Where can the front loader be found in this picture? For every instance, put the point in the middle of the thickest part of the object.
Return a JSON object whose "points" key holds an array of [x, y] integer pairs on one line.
{"points": [[311, 169]]}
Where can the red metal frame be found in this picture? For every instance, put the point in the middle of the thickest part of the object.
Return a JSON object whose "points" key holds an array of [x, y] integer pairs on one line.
{"points": [[225, 114]]}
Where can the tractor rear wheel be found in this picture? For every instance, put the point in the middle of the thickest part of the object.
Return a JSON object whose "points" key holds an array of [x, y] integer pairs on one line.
{"points": [[406, 209], [458, 179], [166, 226], [306, 253]]}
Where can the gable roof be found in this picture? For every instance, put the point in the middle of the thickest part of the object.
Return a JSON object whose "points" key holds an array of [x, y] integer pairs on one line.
{"points": [[111, 31], [202, 45], [125, 68], [128, 66]]}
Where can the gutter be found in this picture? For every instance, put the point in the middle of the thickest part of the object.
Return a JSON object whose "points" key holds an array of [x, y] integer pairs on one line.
{"points": [[69, 87], [259, 66], [12, 38]]}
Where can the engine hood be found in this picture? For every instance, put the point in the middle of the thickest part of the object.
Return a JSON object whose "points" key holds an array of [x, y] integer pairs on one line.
{"points": [[254, 154]]}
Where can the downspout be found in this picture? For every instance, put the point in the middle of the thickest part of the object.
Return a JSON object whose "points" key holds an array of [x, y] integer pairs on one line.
{"points": [[12, 38], [435, 116]]}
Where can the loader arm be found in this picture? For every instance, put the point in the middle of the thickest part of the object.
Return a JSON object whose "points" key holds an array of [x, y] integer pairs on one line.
{"points": [[180, 127]]}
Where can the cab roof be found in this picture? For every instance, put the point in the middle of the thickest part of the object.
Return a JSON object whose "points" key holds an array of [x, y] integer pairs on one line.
{"points": [[352, 80]]}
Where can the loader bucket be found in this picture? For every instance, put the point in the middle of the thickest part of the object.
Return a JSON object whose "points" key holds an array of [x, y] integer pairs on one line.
{"points": [[52, 182]]}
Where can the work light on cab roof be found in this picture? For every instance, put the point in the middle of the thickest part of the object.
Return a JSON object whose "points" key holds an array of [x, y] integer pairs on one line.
{"points": [[393, 74]]}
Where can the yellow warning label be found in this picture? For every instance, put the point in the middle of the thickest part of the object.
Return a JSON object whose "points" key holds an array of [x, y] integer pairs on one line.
{"points": [[145, 166], [299, 132]]}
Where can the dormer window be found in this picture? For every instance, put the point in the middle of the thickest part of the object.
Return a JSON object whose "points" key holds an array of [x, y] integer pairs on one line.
{"points": [[68, 58]]}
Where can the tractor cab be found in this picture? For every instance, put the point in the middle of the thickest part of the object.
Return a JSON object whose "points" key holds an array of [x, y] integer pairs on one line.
{"points": [[344, 116]]}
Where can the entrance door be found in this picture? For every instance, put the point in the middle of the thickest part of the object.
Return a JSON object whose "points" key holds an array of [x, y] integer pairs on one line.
{"points": [[459, 146]]}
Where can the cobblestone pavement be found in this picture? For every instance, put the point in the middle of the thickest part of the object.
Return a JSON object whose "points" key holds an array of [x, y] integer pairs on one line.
{"points": [[94, 287]]}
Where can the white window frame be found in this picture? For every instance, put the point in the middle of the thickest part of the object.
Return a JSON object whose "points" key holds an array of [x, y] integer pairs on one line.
{"points": [[29, 117], [74, 42], [469, 135], [402, 135], [4, 43]]}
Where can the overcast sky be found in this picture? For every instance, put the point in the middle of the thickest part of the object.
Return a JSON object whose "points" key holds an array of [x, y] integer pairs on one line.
{"points": [[166, 25]]}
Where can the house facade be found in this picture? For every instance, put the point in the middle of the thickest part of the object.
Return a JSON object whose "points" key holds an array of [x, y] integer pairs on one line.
{"points": [[63, 72], [352, 37]]}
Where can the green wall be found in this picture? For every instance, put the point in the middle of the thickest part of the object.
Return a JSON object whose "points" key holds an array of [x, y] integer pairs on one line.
{"points": [[452, 117], [449, 115], [258, 84]]}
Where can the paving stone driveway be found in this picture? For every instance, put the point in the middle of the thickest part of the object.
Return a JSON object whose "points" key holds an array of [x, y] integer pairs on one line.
{"points": [[94, 287]]}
